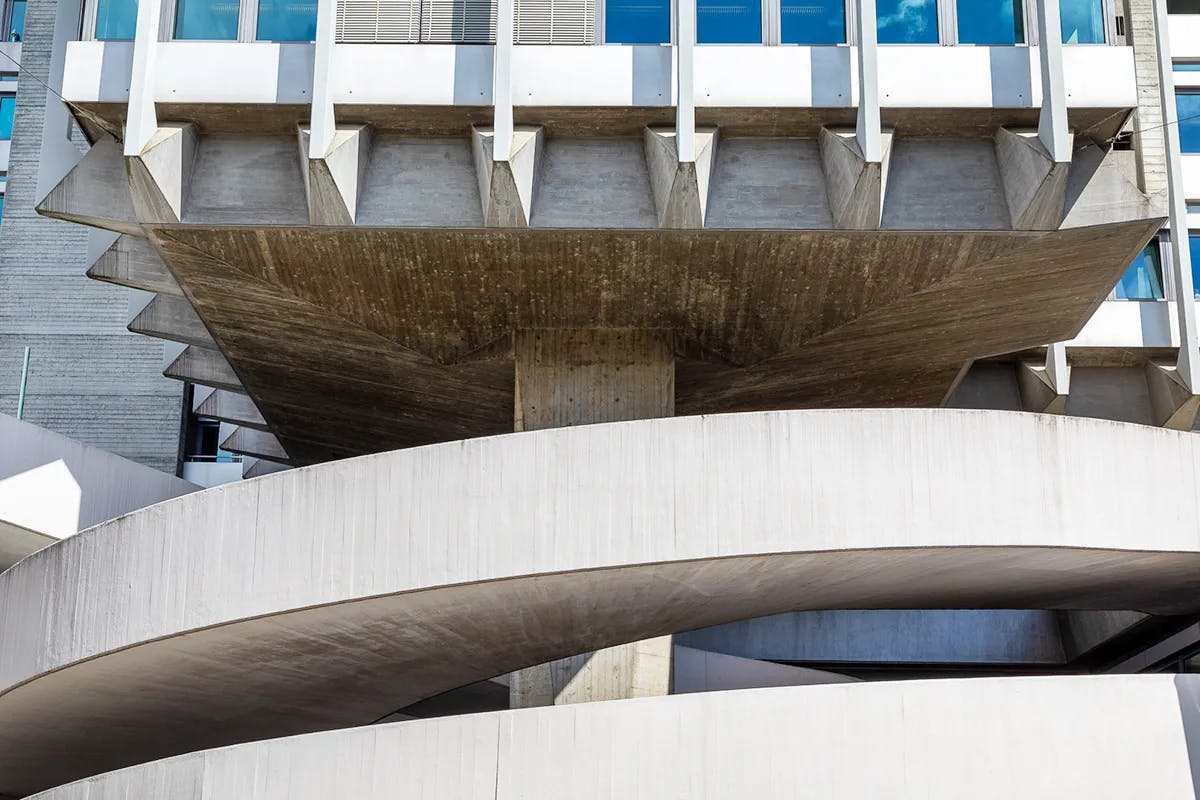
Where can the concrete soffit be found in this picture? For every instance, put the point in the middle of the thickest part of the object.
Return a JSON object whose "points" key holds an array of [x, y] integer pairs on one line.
{"points": [[333, 183], [856, 187], [1035, 185], [1173, 404], [680, 187], [159, 175], [507, 185]]}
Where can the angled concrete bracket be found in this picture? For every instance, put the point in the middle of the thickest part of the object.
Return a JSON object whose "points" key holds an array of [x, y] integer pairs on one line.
{"points": [[160, 173], [232, 407], [205, 366], [171, 317], [856, 187], [1044, 387], [680, 187], [507, 185], [132, 261], [1035, 185], [95, 192], [333, 182], [252, 442], [1172, 402]]}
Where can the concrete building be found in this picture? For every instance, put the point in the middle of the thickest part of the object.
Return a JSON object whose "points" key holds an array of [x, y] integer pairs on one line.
{"points": [[670, 381]]}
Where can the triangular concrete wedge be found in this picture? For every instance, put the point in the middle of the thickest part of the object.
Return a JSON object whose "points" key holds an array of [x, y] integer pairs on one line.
{"points": [[159, 175], [204, 366], [1035, 186], [856, 187], [232, 407], [172, 317], [258, 467], [680, 187], [1173, 404], [260, 444], [1102, 188], [332, 184], [95, 192], [1038, 392], [132, 261], [507, 186]]}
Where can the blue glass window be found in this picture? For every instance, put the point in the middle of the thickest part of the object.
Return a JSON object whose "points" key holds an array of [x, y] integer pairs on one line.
{"points": [[1187, 106], [116, 19], [907, 21], [16, 21], [8, 105], [1143, 279], [1082, 21], [990, 22], [637, 22], [812, 22], [215, 20], [728, 21], [1194, 250], [1186, 66], [1, 206], [287, 20]]}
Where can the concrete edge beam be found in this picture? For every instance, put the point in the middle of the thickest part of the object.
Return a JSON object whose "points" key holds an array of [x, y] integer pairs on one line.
{"points": [[508, 182], [333, 182], [232, 407], [159, 175], [856, 187], [680, 187], [172, 317], [1173, 403], [1035, 185], [204, 366], [133, 262]]}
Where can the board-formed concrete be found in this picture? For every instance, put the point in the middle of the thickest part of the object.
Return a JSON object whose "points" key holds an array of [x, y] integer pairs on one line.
{"points": [[359, 587], [1099, 737]]}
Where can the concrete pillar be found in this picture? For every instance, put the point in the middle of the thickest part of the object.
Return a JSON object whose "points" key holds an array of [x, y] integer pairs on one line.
{"points": [[141, 121], [575, 377]]}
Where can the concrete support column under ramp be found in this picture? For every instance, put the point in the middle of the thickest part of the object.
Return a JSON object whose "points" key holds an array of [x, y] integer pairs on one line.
{"points": [[574, 377]]}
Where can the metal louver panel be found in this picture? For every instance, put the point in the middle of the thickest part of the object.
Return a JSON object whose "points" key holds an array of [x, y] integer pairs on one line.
{"points": [[555, 21], [458, 21], [378, 20]]}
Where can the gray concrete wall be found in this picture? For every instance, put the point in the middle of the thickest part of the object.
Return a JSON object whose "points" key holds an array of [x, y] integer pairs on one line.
{"points": [[90, 379]]}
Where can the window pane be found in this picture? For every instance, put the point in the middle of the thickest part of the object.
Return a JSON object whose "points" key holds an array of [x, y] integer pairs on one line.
{"points": [[1082, 21], [1, 206], [116, 19], [206, 19], [728, 21], [1183, 6], [1143, 279], [637, 22], [907, 21], [16, 30], [287, 20], [1186, 66], [990, 22], [8, 104], [1194, 249], [1187, 106], [812, 22]]}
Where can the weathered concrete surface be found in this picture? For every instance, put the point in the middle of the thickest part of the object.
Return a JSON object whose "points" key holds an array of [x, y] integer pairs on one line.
{"points": [[1041, 390], [856, 187], [695, 670], [205, 366], [132, 261], [252, 442], [680, 188], [357, 588], [508, 183], [232, 407], [172, 317], [1035, 185], [160, 176], [1174, 405], [333, 183], [1101, 737]]}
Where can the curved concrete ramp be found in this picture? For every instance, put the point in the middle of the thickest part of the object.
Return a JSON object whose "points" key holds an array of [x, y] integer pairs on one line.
{"points": [[331, 596], [1103, 738]]}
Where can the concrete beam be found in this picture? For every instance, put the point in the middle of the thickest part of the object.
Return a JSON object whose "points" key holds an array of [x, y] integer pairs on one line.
{"points": [[334, 179], [132, 261], [95, 192], [1035, 185], [205, 366], [160, 172], [680, 187], [249, 441], [1173, 403], [855, 185], [232, 407], [508, 181], [1044, 387], [172, 317]]}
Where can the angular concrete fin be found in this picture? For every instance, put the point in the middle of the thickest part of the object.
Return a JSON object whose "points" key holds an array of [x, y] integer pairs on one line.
{"points": [[160, 174], [1035, 186], [1173, 404], [258, 467], [637, 669], [132, 261], [1040, 392], [507, 186], [260, 444], [205, 366], [172, 317], [95, 192], [1101, 188], [333, 183], [856, 187], [680, 188], [232, 407]]}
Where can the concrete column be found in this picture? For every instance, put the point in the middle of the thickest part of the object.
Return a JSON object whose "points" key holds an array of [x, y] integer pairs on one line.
{"points": [[1149, 136], [141, 122], [575, 377]]}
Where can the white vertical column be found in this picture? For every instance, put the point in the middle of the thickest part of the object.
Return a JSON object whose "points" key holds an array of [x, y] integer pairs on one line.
{"points": [[1052, 123], [323, 124], [869, 129], [1187, 368], [502, 80], [141, 122], [685, 87]]}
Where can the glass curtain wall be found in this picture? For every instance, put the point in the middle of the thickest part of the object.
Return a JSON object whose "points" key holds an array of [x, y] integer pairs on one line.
{"points": [[637, 21], [990, 22], [729, 21], [116, 19], [815, 22], [16, 21]]}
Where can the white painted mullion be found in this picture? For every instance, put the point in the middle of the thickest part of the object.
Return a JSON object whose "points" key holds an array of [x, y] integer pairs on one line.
{"points": [[1052, 122], [502, 81], [685, 91], [869, 132], [141, 121], [323, 124]]}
